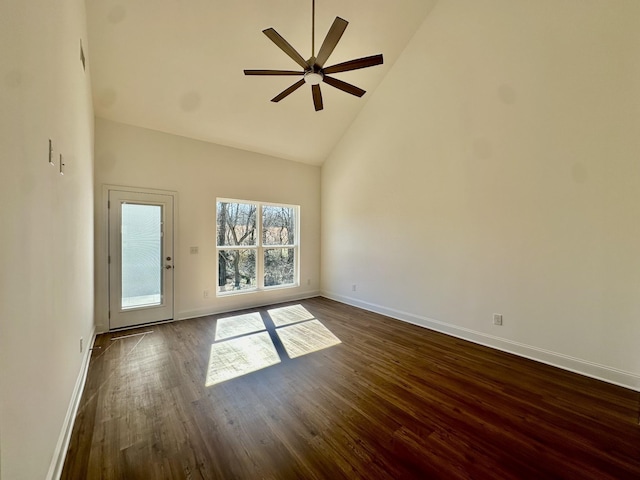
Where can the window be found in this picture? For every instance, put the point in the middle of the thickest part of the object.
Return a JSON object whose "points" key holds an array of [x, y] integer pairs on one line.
{"points": [[257, 246]]}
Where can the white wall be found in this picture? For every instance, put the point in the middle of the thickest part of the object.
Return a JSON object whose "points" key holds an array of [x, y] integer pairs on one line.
{"points": [[201, 172], [46, 229], [496, 169]]}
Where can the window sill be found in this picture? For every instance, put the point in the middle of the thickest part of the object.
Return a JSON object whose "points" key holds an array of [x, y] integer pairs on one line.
{"points": [[256, 290]]}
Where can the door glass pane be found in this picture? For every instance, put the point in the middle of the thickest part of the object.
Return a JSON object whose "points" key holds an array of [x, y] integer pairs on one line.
{"points": [[141, 255]]}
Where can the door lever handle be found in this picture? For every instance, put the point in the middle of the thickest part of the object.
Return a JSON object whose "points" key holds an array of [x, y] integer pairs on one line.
{"points": [[169, 267]]}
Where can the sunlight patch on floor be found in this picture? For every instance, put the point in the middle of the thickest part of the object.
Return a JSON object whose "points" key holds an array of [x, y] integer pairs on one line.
{"points": [[287, 315], [297, 329], [239, 325], [306, 337], [237, 357]]}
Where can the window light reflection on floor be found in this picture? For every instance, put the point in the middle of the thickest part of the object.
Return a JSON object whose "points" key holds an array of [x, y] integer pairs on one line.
{"points": [[306, 337], [239, 356], [297, 329], [239, 325], [287, 315]]}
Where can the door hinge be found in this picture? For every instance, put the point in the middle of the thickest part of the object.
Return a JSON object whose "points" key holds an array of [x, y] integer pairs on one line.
{"points": [[109, 314], [109, 260], [108, 203]]}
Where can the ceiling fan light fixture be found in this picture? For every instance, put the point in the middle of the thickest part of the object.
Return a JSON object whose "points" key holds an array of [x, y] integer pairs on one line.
{"points": [[313, 78]]}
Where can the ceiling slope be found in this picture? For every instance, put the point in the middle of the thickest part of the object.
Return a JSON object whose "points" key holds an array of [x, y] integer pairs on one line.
{"points": [[176, 66]]}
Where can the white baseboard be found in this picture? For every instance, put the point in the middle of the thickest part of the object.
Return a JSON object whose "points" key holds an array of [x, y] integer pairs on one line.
{"points": [[60, 453], [232, 303], [566, 362], [242, 305]]}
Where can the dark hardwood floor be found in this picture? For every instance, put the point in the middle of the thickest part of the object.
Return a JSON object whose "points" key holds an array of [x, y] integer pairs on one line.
{"points": [[392, 401]]}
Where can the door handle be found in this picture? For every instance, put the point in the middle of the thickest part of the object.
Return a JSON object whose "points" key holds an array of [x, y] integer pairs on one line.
{"points": [[169, 267]]}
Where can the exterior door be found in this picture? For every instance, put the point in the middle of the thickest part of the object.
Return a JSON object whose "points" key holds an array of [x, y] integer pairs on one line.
{"points": [[140, 258]]}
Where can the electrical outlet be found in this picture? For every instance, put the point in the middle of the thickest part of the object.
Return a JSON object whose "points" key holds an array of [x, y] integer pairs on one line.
{"points": [[353, 287], [81, 344], [308, 281], [497, 319], [205, 294], [193, 250]]}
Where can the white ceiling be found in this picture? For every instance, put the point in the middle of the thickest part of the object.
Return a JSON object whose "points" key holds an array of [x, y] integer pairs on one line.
{"points": [[177, 66]]}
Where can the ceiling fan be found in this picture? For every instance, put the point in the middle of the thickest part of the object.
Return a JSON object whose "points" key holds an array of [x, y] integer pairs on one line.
{"points": [[314, 72]]}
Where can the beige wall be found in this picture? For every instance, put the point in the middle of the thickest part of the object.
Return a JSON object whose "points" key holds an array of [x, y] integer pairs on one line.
{"points": [[46, 230], [496, 170], [201, 172]]}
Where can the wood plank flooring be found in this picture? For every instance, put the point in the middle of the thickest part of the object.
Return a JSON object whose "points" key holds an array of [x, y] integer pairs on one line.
{"points": [[391, 401]]}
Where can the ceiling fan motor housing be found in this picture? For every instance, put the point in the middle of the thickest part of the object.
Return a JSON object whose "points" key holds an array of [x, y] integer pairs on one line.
{"points": [[313, 77]]}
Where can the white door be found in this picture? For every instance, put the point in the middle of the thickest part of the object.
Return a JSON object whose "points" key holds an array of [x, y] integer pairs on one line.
{"points": [[140, 258]]}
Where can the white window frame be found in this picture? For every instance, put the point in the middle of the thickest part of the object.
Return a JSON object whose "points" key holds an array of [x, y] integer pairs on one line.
{"points": [[260, 248]]}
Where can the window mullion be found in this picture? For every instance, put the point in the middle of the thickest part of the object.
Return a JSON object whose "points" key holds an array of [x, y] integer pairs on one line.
{"points": [[260, 252]]}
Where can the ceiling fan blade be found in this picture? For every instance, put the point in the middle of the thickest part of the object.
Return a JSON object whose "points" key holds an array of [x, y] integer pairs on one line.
{"points": [[272, 72], [286, 47], [355, 64], [344, 86], [288, 91], [331, 40], [317, 97]]}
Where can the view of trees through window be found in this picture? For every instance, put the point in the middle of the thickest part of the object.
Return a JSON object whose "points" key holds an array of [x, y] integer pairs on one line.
{"points": [[278, 232], [257, 245]]}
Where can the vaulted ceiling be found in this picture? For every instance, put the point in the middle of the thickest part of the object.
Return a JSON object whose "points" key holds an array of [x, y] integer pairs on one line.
{"points": [[177, 66]]}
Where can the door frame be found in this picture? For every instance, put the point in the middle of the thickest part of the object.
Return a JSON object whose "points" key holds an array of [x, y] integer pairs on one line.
{"points": [[102, 251]]}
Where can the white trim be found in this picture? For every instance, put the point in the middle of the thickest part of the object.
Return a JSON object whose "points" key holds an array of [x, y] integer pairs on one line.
{"points": [[101, 257], [60, 453], [259, 248], [163, 204], [565, 362], [204, 312]]}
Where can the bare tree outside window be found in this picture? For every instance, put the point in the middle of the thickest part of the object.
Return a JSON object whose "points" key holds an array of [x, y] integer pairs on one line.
{"points": [[236, 226], [278, 229], [255, 239]]}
